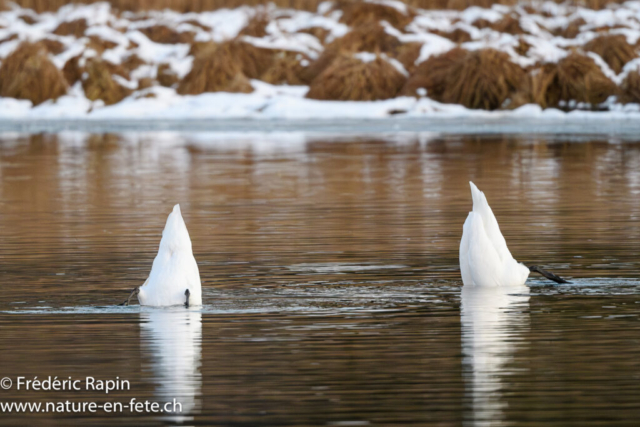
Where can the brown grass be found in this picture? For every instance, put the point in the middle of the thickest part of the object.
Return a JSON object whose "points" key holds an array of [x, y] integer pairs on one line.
{"points": [[166, 76], [476, 79], [286, 69], [457, 36], [355, 13], [614, 49], [407, 54], [28, 19], [100, 45], [167, 35], [54, 47], [131, 62], [215, 70], [311, 5], [100, 84], [28, 73], [571, 30], [72, 28], [366, 38], [350, 79], [508, 24], [72, 71], [576, 77], [630, 88], [257, 26]]}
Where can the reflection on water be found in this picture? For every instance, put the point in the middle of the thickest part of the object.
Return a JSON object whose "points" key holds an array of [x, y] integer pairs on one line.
{"points": [[493, 319], [172, 338], [331, 288]]}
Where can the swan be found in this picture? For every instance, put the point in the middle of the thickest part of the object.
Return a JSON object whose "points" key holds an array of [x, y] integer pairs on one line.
{"points": [[174, 277], [485, 259]]}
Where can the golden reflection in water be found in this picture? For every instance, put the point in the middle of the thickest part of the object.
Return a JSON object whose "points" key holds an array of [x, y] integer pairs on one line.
{"points": [[493, 320]]}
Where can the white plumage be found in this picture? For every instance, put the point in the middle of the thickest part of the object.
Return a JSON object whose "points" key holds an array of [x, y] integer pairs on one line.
{"points": [[174, 269], [485, 259]]}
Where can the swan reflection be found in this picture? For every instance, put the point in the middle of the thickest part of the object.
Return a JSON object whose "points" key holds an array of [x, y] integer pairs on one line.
{"points": [[172, 337], [492, 321]]}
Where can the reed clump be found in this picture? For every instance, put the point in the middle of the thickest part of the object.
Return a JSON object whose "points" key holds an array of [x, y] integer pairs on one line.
{"points": [[630, 88], [215, 69], [457, 36], [370, 37], [571, 30], [28, 73], [480, 79], [575, 78], [166, 76], [287, 68], [407, 54], [74, 28], [613, 49], [351, 79], [54, 47], [257, 26], [508, 24], [166, 35], [355, 13], [98, 81]]}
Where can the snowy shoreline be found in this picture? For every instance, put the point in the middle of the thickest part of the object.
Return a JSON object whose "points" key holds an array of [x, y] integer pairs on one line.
{"points": [[606, 124]]}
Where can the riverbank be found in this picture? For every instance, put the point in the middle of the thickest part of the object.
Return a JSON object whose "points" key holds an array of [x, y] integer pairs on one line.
{"points": [[366, 60]]}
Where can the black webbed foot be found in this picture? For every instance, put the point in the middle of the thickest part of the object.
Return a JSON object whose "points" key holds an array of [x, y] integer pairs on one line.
{"points": [[135, 292], [187, 294], [547, 274]]}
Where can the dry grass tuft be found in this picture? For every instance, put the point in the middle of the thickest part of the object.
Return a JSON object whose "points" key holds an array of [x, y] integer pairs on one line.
{"points": [[72, 28], [350, 79], [286, 69], [167, 35], [27, 19], [132, 62], [614, 49], [166, 76], [257, 26], [476, 79], [72, 71], [98, 82], [355, 13], [571, 30], [630, 88], [575, 78], [253, 60], [366, 38], [54, 47], [100, 45], [508, 24], [457, 36], [408, 54], [28, 73], [215, 70]]}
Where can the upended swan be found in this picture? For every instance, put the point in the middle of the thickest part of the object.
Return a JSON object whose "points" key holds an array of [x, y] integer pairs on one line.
{"points": [[174, 277], [485, 259]]}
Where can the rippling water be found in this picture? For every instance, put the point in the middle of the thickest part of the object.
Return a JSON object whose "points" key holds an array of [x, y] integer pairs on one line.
{"points": [[330, 278]]}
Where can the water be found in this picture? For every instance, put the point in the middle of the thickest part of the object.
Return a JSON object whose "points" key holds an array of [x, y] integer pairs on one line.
{"points": [[330, 273]]}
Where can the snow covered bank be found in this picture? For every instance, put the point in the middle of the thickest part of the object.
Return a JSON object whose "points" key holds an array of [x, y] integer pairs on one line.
{"points": [[126, 66]]}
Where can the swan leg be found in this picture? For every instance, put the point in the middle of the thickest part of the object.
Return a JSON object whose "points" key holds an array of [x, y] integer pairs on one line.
{"points": [[549, 275], [135, 292], [187, 293]]}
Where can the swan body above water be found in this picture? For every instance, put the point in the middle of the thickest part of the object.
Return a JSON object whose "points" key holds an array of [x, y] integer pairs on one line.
{"points": [[174, 277], [485, 259]]}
